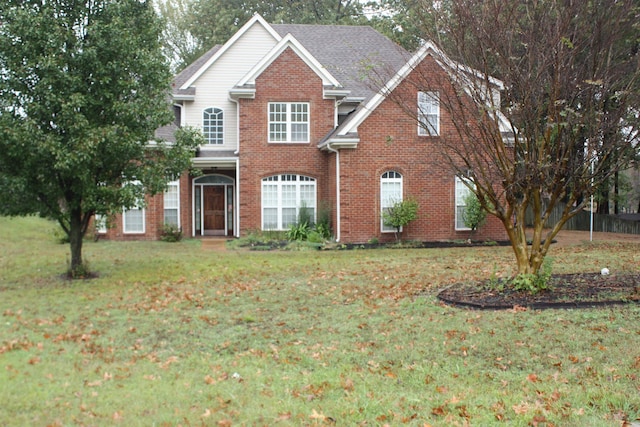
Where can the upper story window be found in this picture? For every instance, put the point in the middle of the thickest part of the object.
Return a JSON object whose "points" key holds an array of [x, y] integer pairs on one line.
{"points": [[390, 194], [288, 122], [212, 125], [428, 113]]}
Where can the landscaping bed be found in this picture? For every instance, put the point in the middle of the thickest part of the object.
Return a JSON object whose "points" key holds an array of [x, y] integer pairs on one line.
{"points": [[565, 291]]}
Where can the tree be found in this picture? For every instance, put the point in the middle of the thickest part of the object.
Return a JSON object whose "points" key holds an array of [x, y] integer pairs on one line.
{"points": [[83, 86], [474, 215], [400, 214], [551, 130]]}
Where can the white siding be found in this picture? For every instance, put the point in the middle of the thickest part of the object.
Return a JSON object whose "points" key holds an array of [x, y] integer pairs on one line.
{"points": [[212, 87]]}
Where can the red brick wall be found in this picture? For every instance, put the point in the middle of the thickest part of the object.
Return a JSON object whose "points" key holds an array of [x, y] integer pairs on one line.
{"points": [[389, 141], [287, 79]]}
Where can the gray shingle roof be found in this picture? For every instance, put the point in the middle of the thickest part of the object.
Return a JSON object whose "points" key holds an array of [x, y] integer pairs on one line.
{"points": [[190, 70], [358, 56]]}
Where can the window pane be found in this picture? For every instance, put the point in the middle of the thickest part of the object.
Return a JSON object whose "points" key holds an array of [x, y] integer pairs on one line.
{"points": [[390, 194], [428, 113], [134, 221], [277, 122], [270, 218], [283, 196], [212, 125]]}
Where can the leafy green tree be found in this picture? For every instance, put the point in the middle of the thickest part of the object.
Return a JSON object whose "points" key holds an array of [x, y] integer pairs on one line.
{"points": [[83, 86], [474, 215], [400, 214]]}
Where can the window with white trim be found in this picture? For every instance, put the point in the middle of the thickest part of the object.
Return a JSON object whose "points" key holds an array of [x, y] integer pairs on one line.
{"points": [[212, 125], [428, 113], [133, 219], [288, 122], [462, 191], [283, 196], [390, 194], [172, 204], [100, 222]]}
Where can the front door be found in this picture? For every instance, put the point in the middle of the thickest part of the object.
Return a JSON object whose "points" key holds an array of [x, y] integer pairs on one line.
{"points": [[213, 207]]}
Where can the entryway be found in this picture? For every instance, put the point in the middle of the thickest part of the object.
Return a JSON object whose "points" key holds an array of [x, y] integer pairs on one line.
{"points": [[213, 205]]}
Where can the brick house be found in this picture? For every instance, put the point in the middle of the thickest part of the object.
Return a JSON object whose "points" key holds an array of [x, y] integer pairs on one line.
{"points": [[293, 117]]}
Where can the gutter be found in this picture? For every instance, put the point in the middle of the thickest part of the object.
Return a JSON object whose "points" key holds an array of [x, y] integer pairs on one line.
{"points": [[333, 150]]}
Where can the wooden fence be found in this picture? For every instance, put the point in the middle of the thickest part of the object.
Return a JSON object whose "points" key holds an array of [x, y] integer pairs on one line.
{"points": [[582, 221]]}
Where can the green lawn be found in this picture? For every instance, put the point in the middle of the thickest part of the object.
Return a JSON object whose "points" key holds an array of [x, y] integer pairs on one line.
{"points": [[171, 334]]}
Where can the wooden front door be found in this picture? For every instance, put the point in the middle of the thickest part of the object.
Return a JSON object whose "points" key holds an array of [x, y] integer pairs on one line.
{"points": [[214, 214]]}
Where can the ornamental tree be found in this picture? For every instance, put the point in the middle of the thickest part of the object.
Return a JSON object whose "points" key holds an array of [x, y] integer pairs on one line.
{"points": [[83, 86], [543, 100]]}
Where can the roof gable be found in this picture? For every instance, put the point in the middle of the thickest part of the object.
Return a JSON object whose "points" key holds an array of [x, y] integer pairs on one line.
{"points": [[458, 71], [289, 41], [196, 73]]}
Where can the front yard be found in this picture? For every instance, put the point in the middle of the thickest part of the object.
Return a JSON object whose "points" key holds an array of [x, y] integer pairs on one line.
{"points": [[171, 334]]}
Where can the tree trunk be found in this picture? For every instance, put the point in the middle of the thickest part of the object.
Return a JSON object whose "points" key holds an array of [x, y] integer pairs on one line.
{"points": [[76, 234]]}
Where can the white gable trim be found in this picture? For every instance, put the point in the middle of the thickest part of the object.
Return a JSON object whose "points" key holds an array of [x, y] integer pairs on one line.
{"points": [[255, 19], [429, 48], [289, 41]]}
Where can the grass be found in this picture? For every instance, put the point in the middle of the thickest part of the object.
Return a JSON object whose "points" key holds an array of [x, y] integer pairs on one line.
{"points": [[171, 334]]}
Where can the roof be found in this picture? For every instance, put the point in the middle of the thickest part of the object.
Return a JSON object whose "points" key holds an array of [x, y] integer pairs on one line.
{"points": [[183, 76], [359, 57]]}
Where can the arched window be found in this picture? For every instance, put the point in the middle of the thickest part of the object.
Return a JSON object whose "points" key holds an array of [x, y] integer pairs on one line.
{"points": [[390, 194], [212, 126], [284, 197]]}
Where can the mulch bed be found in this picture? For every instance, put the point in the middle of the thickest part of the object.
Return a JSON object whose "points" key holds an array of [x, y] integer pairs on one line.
{"points": [[566, 291]]}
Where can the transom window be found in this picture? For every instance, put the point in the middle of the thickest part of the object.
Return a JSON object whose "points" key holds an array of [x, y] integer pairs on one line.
{"points": [[288, 122], [283, 197], [428, 113], [390, 194], [462, 191], [212, 126]]}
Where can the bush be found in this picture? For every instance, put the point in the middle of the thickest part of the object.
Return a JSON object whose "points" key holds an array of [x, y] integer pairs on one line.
{"points": [[171, 233], [298, 231], [474, 214], [401, 214]]}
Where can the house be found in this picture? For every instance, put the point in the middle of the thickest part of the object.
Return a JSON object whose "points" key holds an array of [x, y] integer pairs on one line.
{"points": [[297, 116]]}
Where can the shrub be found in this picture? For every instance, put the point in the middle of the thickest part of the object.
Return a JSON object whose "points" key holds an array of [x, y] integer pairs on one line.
{"points": [[401, 214], [474, 215], [171, 233], [298, 231]]}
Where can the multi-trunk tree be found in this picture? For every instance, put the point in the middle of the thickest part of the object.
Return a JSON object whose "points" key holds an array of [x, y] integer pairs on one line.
{"points": [[568, 77], [83, 86]]}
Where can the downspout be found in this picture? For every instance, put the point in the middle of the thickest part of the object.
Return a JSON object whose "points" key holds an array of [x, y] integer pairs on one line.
{"points": [[236, 211], [333, 150]]}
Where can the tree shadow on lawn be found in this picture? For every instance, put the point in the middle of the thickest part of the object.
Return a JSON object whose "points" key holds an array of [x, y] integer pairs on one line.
{"points": [[581, 290]]}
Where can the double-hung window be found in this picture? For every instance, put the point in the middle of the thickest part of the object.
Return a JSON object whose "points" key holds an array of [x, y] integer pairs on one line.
{"points": [[462, 191], [283, 197], [133, 219], [212, 126], [172, 204], [428, 113], [390, 194], [288, 122]]}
